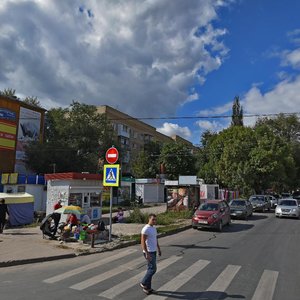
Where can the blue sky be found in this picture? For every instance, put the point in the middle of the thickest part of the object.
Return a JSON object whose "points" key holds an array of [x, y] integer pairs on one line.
{"points": [[155, 58]]}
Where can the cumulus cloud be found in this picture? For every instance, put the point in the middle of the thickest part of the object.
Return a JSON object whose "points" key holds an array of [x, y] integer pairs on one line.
{"points": [[128, 54], [170, 129], [212, 126], [218, 110], [291, 58]]}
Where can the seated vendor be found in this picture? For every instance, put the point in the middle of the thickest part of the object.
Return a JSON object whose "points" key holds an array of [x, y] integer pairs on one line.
{"points": [[119, 216], [85, 219], [72, 220]]}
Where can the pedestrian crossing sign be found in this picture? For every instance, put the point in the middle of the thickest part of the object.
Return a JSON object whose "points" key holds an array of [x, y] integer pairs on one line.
{"points": [[111, 175]]}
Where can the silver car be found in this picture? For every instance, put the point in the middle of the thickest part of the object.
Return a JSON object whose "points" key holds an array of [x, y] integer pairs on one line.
{"points": [[288, 208]]}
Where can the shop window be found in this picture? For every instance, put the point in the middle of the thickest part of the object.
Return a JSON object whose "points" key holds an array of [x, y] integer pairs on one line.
{"points": [[21, 189], [75, 199], [95, 199]]}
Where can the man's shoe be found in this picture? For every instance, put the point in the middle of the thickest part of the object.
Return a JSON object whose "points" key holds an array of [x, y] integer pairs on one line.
{"points": [[146, 291], [143, 286]]}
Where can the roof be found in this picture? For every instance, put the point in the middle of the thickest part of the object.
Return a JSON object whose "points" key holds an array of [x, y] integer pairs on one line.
{"points": [[73, 176], [15, 198]]}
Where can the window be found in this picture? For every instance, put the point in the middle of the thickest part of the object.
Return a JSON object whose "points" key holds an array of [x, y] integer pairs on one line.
{"points": [[125, 128], [75, 199], [21, 189], [95, 199]]}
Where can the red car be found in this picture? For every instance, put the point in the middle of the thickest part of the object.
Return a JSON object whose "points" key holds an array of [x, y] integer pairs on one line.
{"points": [[212, 214]]}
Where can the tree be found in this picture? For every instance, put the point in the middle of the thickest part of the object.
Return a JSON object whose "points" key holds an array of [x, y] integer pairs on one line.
{"points": [[237, 113], [32, 101], [177, 159], [75, 139], [146, 163], [8, 92]]}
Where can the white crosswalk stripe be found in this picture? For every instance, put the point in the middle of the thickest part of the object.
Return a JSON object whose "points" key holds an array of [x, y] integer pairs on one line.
{"points": [[264, 290], [125, 285], [89, 266], [224, 279], [181, 279], [266, 286], [106, 275]]}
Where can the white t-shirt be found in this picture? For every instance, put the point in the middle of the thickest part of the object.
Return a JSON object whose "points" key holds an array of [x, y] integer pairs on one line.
{"points": [[151, 241]]}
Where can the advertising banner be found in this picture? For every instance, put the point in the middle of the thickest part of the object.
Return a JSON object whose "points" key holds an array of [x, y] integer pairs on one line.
{"points": [[8, 129], [28, 131]]}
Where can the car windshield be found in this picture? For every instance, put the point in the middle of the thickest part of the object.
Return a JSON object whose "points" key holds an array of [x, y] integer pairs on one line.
{"points": [[257, 198], [208, 206], [237, 203], [288, 203]]}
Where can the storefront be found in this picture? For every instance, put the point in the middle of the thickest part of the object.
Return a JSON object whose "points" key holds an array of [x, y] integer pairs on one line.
{"points": [[182, 194], [80, 189]]}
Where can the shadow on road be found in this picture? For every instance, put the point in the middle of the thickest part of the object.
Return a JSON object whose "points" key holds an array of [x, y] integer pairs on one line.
{"points": [[199, 295], [193, 246], [257, 217], [237, 227]]}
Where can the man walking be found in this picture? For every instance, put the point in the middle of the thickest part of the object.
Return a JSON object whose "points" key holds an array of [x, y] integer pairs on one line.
{"points": [[3, 211], [149, 245]]}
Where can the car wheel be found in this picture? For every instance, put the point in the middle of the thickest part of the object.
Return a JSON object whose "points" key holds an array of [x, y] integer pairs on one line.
{"points": [[194, 227], [220, 227], [229, 222]]}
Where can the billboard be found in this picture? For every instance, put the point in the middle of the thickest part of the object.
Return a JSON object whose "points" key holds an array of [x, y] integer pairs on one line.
{"points": [[28, 131], [8, 129]]}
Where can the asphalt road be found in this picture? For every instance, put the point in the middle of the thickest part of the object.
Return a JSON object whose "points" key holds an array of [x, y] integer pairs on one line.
{"points": [[258, 259]]}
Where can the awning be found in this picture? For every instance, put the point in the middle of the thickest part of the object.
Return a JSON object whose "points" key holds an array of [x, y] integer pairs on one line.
{"points": [[15, 198]]}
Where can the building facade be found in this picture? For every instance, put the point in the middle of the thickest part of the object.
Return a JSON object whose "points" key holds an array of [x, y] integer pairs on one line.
{"points": [[133, 134], [20, 124]]}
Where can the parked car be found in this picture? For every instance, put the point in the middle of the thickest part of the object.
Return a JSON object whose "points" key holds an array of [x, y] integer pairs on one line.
{"points": [[288, 208], [212, 214], [296, 195], [260, 203], [240, 208], [273, 201], [286, 196]]}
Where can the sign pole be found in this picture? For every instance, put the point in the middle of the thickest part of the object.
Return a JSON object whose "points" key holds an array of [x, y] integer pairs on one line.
{"points": [[110, 213]]}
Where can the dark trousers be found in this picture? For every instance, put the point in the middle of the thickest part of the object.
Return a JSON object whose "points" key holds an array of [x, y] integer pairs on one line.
{"points": [[151, 270], [2, 224]]}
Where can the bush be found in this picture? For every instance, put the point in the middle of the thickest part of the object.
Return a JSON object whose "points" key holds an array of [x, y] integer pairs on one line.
{"points": [[136, 216]]}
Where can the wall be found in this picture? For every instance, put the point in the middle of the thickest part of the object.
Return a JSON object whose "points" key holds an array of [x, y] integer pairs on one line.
{"points": [[151, 193]]}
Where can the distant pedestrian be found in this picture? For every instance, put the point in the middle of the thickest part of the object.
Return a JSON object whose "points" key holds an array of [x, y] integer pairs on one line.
{"points": [[149, 245], [57, 205], [3, 212]]}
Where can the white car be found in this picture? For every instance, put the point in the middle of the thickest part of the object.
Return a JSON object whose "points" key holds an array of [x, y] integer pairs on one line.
{"points": [[288, 208]]}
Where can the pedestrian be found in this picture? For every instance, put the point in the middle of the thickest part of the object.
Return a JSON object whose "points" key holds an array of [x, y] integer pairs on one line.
{"points": [[56, 216], [57, 205], [3, 212], [149, 243]]}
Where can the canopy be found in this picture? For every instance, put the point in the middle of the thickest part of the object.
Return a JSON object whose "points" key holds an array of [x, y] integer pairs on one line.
{"points": [[17, 198], [70, 209]]}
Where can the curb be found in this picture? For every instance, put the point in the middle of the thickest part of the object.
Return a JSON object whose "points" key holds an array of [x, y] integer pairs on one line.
{"points": [[121, 245]]}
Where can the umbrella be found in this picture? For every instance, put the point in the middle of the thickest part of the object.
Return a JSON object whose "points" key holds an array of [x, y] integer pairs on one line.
{"points": [[69, 209]]}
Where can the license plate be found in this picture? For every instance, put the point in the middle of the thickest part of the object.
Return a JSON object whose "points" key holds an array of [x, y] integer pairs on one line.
{"points": [[202, 222]]}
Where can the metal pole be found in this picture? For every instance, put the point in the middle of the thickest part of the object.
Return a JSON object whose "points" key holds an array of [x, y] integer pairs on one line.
{"points": [[110, 213]]}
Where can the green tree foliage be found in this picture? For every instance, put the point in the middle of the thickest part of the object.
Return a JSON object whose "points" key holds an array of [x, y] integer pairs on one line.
{"points": [[248, 159], [237, 113], [146, 164], [177, 159], [75, 139]]}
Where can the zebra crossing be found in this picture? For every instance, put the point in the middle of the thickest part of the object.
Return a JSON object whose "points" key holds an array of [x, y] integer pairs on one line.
{"points": [[136, 268]]}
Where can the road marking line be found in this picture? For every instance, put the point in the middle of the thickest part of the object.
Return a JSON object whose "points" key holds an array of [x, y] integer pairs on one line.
{"points": [[125, 285], [89, 266], [266, 286], [101, 277], [182, 278], [224, 279]]}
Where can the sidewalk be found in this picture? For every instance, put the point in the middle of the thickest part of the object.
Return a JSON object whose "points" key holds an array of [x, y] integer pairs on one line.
{"points": [[26, 245]]}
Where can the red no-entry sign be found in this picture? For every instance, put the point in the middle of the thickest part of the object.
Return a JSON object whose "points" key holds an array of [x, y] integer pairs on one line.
{"points": [[112, 155]]}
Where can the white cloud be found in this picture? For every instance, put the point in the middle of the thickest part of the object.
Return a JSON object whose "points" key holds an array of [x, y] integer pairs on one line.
{"points": [[126, 54], [170, 129], [191, 98], [212, 126], [218, 110], [291, 58]]}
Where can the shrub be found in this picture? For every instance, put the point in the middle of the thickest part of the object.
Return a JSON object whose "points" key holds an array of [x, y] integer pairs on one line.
{"points": [[136, 216]]}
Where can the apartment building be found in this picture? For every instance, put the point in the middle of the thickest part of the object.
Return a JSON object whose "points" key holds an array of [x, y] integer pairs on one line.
{"points": [[134, 134]]}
